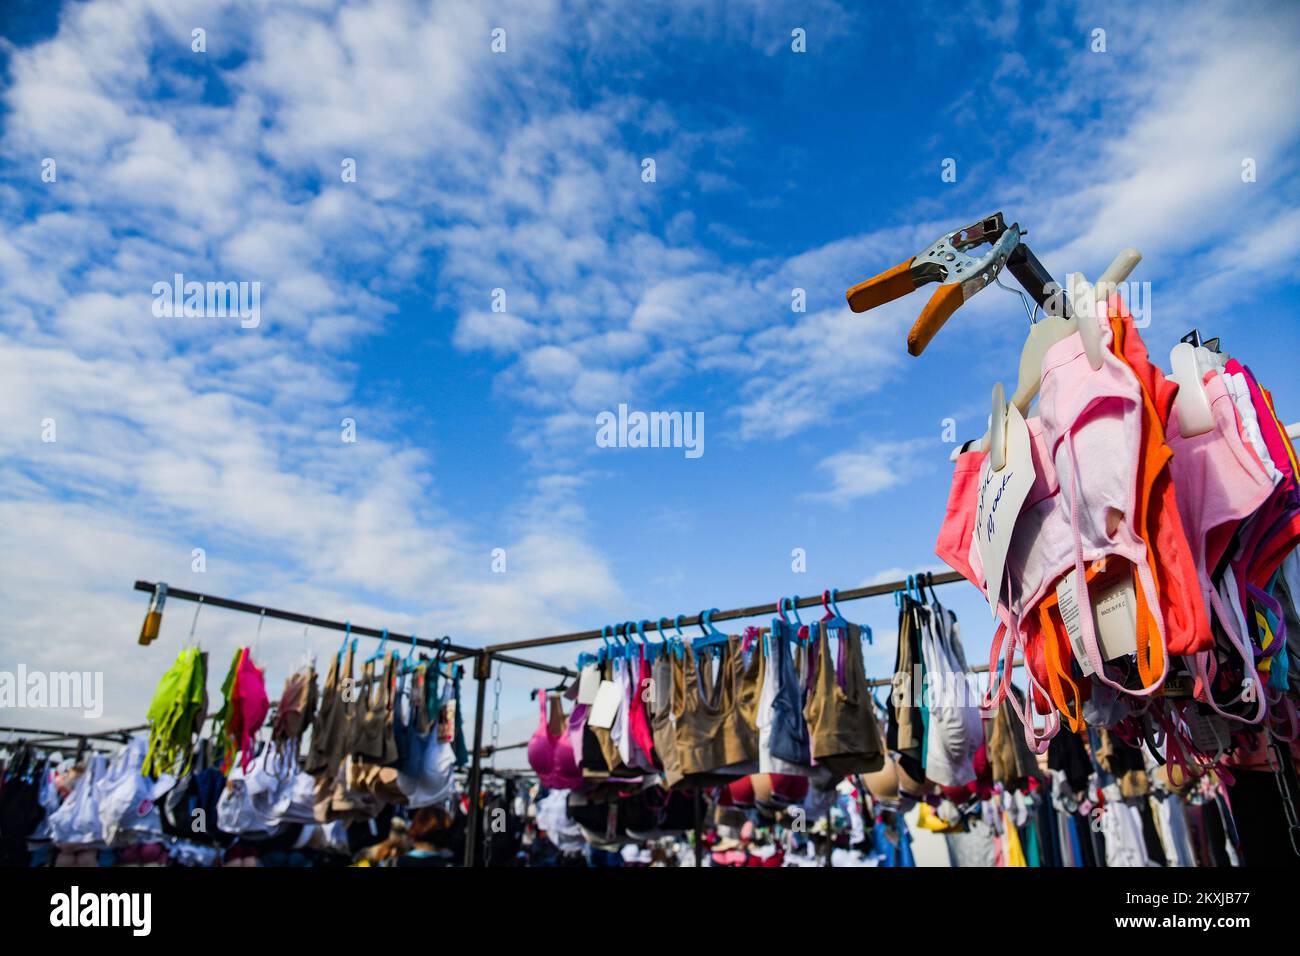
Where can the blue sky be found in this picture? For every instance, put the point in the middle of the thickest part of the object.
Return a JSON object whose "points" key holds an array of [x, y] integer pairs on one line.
{"points": [[521, 170]]}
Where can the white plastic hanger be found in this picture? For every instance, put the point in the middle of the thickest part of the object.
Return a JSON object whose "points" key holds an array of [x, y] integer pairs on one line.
{"points": [[998, 429], [1293, 431], [1188, 364], [1083, 303], [1051, 329], [1191, 403]]}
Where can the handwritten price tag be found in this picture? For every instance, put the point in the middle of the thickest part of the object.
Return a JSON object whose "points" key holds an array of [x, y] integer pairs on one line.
{"points": [[1000, 496]]}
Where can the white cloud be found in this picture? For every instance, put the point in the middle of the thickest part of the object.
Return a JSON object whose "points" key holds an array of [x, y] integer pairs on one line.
{"points": [[878, 467]]}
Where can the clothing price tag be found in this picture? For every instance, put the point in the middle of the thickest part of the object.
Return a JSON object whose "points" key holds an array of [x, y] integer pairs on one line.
{"points": [[1114, 618], [605, 707], [588, 682], [1000, 496]]}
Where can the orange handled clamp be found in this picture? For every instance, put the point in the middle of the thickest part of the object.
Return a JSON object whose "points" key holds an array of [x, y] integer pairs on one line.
{"points": [[946, 261]]}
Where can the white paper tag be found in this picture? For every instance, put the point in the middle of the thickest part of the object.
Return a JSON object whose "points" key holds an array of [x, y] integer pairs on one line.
{"points": [[1114, 609], [605, 708], [1000, 496], [1114, 618], [588, 682], [1069, 609]]}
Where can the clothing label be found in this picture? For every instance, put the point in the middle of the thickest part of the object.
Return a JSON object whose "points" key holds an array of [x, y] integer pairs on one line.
{"points": [[1177, 685], [588, 682], [1210, 734], [1115, 613], [447, 721], [605, 707], [1000, 497], [1114, 618]]}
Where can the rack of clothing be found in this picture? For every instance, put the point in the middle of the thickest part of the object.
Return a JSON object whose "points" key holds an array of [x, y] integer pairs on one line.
{"points": [[1136, 537], [484, 658]]}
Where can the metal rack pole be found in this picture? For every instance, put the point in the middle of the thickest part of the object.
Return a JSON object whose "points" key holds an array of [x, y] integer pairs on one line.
{"points": [[482, 670], [458, 651], [757, 610]]}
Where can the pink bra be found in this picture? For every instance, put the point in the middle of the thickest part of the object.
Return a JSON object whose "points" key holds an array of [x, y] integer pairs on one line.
{"points": [[552, 756], [1220, 483], [1095, 417]]}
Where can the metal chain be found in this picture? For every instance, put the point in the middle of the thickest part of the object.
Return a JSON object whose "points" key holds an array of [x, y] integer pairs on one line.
{"points": [[1276, 762], [496, 714]]}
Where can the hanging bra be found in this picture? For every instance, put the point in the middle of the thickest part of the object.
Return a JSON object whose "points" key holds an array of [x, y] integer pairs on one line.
{"points": [[551, 754], [1094, 416], [840, 712], [331, 730], [662, 725], [374, 728], [1159, 518], [640, 733], [249, 707], [1220, 483], [717, 727]]}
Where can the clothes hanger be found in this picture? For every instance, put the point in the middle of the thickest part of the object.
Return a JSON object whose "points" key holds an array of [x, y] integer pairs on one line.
{"points": [[831, 618], [1049, 330], [257, 638], [343, 645], [679, 639], [308, 658], [794, 609], [198, 606], [606, 651], [383, 643], [1188, 363], [713, 638], [409, 664], [663, 641], [560, 689], [865, 629]]}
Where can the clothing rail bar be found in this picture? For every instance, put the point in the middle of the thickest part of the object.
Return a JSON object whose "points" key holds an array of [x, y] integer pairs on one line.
{"points": [[310, 620], [458, 652], [47, 736], [758, 610]]}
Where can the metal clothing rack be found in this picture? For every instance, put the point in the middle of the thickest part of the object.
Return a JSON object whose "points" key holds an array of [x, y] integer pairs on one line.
{"points": [[41, 737], [483, 657]]}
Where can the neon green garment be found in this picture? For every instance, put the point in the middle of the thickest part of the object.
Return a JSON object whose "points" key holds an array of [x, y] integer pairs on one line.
{"points": [[177, 703]]}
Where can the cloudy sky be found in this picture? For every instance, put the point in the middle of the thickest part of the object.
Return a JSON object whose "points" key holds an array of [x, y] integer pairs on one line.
{"points": [[522, 171]]}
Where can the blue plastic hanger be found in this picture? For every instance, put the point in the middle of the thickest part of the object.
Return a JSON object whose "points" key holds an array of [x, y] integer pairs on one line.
{"points": [[663, 646], [712, 636], [606, 651], [647, 648], [408, 661], [678, 640], [383, 643], [831, 618]]}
